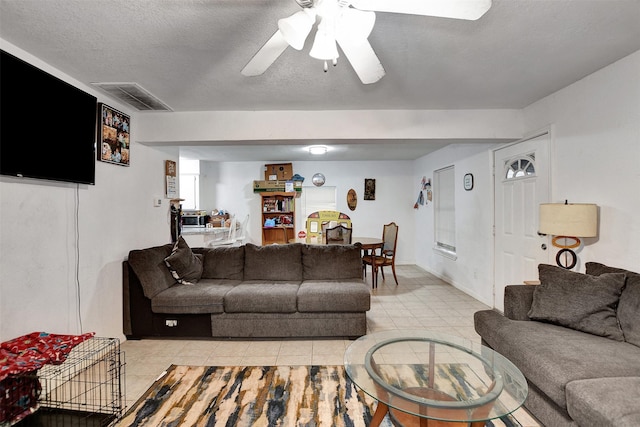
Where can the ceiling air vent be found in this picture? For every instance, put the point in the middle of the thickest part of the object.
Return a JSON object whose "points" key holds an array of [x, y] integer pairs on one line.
{"points": [[134, 95]]}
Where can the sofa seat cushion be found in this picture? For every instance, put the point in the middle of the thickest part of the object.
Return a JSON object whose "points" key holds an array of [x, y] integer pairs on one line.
{"points": [[149, 266], [550, 356], [333, 296], [320, 262], [620, 408], [274, 325], [222, 262], [262, 297], [206, 296], [629, 305], [273, 262]]}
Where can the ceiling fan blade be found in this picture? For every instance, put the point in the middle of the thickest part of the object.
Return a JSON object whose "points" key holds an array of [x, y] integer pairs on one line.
{"points": [[459, 9], [363, 59], [266, 56]]}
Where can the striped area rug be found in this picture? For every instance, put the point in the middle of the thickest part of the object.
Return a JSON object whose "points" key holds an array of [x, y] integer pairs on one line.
{"points": [[244, 396]]}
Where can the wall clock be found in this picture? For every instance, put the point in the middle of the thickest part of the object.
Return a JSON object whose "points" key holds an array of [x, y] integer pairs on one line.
{"points": [[468, 182]]}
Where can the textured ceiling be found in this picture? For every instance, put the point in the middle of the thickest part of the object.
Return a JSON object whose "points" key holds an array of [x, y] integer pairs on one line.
{"points": [[189, 53]]}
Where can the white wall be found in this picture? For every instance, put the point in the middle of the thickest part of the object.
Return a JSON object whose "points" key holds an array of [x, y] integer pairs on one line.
{"points": [[395, 196], [396, 192], [472, 270], [45, 285], [203, 127], [596, 147], [39, 246], [595, 126]]}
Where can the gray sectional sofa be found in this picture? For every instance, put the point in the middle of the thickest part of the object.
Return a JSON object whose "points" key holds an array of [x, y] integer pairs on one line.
{"points": [[576, 338], [293, 290]]}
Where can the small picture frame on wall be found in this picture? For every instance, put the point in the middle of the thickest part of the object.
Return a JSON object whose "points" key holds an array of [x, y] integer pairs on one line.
{"points": [[171, 183], [369, 189], [114, 143]]}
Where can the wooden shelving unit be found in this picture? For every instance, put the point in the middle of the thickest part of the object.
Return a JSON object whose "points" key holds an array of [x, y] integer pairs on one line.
{"points": [[281, 207]]}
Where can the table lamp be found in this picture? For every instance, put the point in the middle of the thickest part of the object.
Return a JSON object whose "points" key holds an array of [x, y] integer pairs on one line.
{"points": [[568, 221]]}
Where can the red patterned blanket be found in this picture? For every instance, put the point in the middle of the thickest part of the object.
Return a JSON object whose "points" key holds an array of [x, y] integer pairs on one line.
{"points": [[30, 352]]}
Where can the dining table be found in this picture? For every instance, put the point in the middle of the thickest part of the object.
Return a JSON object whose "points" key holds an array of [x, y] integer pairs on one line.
{"points": [[369, 246]]}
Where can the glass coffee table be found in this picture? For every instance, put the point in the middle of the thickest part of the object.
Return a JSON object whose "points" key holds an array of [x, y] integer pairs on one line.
{"points": [[423, 378]]}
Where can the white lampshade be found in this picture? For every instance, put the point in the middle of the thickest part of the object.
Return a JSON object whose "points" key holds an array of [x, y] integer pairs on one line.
{"points": [[569, 219], [297, 27]]}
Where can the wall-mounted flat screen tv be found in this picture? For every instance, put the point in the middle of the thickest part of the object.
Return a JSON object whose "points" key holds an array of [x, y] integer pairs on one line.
{"points": [[47, 126]]}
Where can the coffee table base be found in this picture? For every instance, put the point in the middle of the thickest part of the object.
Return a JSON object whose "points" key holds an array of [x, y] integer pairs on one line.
{"points": [[404, 419]]}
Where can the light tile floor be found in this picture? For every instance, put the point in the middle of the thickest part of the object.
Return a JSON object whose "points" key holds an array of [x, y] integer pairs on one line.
{"points": [[421, 300]]}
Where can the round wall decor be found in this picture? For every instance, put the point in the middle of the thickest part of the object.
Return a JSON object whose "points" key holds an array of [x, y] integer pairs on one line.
{"points": [[318, 180], [352, 199]]}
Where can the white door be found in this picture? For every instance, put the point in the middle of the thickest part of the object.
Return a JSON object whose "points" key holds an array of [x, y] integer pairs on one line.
{"points": [[521, 184]]}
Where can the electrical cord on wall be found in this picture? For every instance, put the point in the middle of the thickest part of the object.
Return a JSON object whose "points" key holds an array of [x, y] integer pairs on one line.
{"points": [[77, 203]]}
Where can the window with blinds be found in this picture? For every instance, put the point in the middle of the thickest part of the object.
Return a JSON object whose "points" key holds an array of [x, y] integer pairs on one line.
{"points": [[445, 211]]}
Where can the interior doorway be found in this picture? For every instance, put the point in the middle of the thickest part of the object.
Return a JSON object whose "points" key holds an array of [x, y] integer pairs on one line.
{"points": [[315, 199], [521, 183]]}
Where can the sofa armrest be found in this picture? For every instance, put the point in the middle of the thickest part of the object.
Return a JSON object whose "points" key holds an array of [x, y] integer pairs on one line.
{"points": [[517, 301], [136, 308]]}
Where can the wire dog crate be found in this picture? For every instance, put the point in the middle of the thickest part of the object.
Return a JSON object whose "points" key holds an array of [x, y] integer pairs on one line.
{"points": [[86, 390]]}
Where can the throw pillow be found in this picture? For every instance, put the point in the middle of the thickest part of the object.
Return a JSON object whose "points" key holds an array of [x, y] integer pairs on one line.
{"points": [[629, 305], [185, 266], [578, 301]]}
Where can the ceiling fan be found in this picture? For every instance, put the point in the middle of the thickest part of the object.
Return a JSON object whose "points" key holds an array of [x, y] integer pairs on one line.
{"points": [[348, 24]]}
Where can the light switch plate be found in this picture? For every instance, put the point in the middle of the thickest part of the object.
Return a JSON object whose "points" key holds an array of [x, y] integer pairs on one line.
{"points": [[157, 201]]}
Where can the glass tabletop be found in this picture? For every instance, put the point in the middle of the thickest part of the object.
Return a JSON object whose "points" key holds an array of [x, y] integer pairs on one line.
{"points": [[436, 376]]}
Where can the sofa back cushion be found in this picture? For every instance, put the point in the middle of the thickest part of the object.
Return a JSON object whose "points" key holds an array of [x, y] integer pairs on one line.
{"points": [[149, 266], [273, 262], [223, 262], [578, 301], [629, 304], [329, 262]]}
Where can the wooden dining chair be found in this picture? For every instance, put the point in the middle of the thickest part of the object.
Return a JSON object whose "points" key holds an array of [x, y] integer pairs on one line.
{"points": [[338, 235], [387, 255]]}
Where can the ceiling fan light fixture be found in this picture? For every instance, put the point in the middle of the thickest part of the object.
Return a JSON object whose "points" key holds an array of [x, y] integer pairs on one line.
{"points": [[349, 23], [324, 47], [356, 24], [297, 27]]}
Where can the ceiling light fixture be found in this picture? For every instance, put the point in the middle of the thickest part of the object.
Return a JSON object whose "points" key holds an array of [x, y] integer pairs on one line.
{"points": [[296, 27], [348, 23], [318, 150]]}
